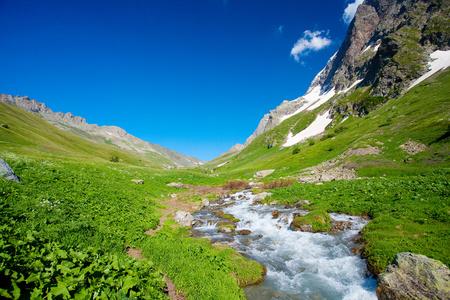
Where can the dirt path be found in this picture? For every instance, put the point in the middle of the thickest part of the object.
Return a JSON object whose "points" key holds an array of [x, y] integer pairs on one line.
{"points": [[182, 203]]}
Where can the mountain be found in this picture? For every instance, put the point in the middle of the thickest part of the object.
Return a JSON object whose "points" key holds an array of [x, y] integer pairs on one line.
{"points": [[102, 134], [387, 47], [384, 89]]}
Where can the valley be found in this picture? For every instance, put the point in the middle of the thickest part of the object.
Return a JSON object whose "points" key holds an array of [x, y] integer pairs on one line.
{"points": [[318, 203]]}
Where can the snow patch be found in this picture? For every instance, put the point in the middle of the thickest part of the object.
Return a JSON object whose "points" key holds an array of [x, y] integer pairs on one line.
{"points": [[222, 164], [441, 60], [322, 99], [316, 127], [350, 87], [368, 47], [376, 47]]}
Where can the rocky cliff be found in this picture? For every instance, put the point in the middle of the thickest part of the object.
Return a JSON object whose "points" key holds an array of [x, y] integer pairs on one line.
{"points": [[387, 47], [105, 134]]}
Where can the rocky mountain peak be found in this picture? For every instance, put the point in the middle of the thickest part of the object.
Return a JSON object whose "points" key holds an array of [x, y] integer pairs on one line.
{"points": [[109, 134], [387, 47]]}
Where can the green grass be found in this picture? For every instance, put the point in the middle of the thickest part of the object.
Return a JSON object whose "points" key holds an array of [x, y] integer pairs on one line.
{"points": [[211, 274], [319, 219], [418, 204], [92, 209]]}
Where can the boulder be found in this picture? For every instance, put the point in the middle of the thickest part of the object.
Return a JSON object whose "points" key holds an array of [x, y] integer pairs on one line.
{"points": [[414, 276], [177, 185], [205, 202], [304, 228], [226, 229], [262, 196], [138, 181], [314, 221], [275, 214], [244, 232], [8, 173], [301, 203], [184, 218], [263, 173], [326, 177]]}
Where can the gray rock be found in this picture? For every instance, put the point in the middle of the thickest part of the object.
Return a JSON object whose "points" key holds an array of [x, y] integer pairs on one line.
{"points": [[138, 181], [177, 185], [304, 228], [414, 276], [326, 177], [263, 173], [8, 173], [244, 232], [184, 218], [205, 202], [262, 196], [225, 230], [301, 203]]}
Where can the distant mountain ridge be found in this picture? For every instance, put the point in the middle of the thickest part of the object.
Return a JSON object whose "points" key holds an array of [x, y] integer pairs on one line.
{"points": [[103, 134], [387, 47]]}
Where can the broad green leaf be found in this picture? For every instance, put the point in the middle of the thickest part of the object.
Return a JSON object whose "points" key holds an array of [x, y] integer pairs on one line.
{"points": [[127, 284], [16, 290], [115, 263], [4, 293], [82, 295], [33, 277], [62, 253], [61, 289]]}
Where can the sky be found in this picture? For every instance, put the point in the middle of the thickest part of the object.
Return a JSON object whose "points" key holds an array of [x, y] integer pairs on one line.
{"points": [[194, 76]]}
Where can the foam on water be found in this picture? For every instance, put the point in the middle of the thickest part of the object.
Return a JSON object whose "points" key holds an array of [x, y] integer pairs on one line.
{"points": [[300, 265]]}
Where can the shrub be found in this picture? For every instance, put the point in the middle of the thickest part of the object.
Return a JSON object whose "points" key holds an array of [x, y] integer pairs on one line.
{"points": [[328, 136], [340, 129], [5, 126], [278, 183], [295, 151], [114, 158], [312, 142], [237, 185]]}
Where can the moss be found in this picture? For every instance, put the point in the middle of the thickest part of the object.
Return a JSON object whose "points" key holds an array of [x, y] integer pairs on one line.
{"points": [[229, 217], [319, 219]]}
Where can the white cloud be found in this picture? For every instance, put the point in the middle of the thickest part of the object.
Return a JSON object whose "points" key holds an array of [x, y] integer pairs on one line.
{"points": [[311, 41], [280, 29], [350, 11]]}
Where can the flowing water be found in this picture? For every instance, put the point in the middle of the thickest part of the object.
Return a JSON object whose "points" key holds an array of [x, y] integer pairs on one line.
{"points": [[300, 265]]}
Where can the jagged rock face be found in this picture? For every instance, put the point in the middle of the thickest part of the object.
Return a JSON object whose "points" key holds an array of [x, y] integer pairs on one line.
{"points": [[113, 134], [387, 46], [405, 32]]}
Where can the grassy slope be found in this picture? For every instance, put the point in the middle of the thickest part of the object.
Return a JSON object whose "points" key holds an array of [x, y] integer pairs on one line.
{"points": [[421, 115], [29, 135]]}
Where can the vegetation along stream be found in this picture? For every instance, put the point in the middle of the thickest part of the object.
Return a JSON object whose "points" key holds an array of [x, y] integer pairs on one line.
{"points": [[300, 265]]}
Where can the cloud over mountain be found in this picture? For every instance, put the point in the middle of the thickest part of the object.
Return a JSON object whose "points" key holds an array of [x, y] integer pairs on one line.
{"points": [[311, 41], [350, 11]]}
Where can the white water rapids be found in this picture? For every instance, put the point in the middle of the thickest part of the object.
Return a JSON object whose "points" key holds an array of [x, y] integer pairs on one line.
{"points": [[301, 265]]}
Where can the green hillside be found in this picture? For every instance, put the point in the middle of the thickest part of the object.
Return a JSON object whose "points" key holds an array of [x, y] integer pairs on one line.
{"points": [[421, 115], [26, 134]]}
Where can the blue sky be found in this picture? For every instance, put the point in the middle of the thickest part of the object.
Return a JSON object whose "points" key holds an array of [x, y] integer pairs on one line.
{"points": [[195, 76]]}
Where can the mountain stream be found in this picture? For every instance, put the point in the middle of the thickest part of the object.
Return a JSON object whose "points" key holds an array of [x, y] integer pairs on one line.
{"points": [[300, 265]]}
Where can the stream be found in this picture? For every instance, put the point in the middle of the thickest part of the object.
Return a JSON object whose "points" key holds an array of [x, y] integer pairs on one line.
{"points": [[300, 265]]}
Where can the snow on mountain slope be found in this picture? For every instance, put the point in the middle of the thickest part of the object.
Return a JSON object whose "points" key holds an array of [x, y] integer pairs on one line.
{"points": [[315, 128], [440, 61]]}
